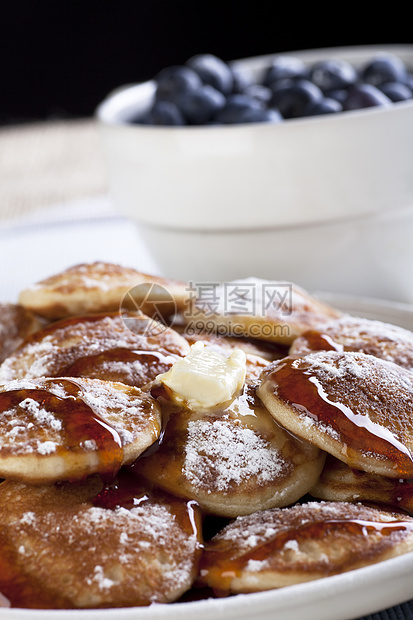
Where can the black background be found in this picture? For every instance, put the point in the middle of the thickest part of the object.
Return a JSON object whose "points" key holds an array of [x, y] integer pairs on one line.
{"points": [[59, 58]]}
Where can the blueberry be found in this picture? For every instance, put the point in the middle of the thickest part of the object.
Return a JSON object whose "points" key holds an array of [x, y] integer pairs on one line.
{"points": [[176, 81], [236, 105], [284, 67], [293, 97], [199, 106], [333, 74], [365, 96], [259, 91], [409, 80], [325, 106], [339, 94], [396, 91], [213, 71], [208, 91], [163, 113], [241, 80], [384, 68]]}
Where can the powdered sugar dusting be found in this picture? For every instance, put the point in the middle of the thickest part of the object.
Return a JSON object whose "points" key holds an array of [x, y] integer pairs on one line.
{"points": [[40, 414], [223, 453], [31, 426], [331, 367], [52, 352], [253, 531], [146, 529], [97, 555], [46, 447], [362, 393], [99, 578], [15, 324], [371, 386], [384, 340]]}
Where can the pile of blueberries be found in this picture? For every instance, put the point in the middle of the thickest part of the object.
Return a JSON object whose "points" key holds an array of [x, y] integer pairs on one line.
{"points": [[208, 91]]}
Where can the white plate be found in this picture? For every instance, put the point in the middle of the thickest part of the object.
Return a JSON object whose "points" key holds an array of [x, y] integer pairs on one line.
{"points": [[341, 597]]}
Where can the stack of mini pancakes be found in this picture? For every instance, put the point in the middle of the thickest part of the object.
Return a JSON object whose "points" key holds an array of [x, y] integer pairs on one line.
{"points": [[114, 495]]}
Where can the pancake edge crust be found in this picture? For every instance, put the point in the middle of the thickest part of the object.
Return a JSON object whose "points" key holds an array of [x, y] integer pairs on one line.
{"points": [[306, 542], [306, 424]]}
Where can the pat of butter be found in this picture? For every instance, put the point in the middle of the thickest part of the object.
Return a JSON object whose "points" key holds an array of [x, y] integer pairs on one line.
{"points": [[205, 378]]}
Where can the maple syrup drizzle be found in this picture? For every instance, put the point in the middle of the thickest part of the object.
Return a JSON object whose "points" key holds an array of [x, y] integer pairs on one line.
{"points": [[228, 564], [155, 362], [128, 491], [318, 341], [80, 423], [301, 389]]}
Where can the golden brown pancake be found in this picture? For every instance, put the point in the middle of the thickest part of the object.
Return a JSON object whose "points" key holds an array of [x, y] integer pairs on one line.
{"points": [[348, 333], [355, 406], [231, 460], [83, 545], [16, 323], [340, 483], [66, 429], [102, 287], [130, 348], [286, 546], [261, 348], [261, 309]]}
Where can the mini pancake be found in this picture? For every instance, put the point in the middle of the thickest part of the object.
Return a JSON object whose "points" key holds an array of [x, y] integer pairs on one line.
{"points": [[264, 349], [16, 323], [84, 545], [349, 333], [103, 287], [232, 460], [129, 347], [355, 406], [66, 429], [286, 546], [339, 482], [261, 309]]}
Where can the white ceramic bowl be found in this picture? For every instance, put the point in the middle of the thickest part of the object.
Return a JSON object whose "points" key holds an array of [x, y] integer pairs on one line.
{"points": [[370, 256], [301, 200]]}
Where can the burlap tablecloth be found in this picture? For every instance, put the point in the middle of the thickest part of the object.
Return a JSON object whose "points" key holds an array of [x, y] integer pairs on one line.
{"points": [[47, 163]]}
